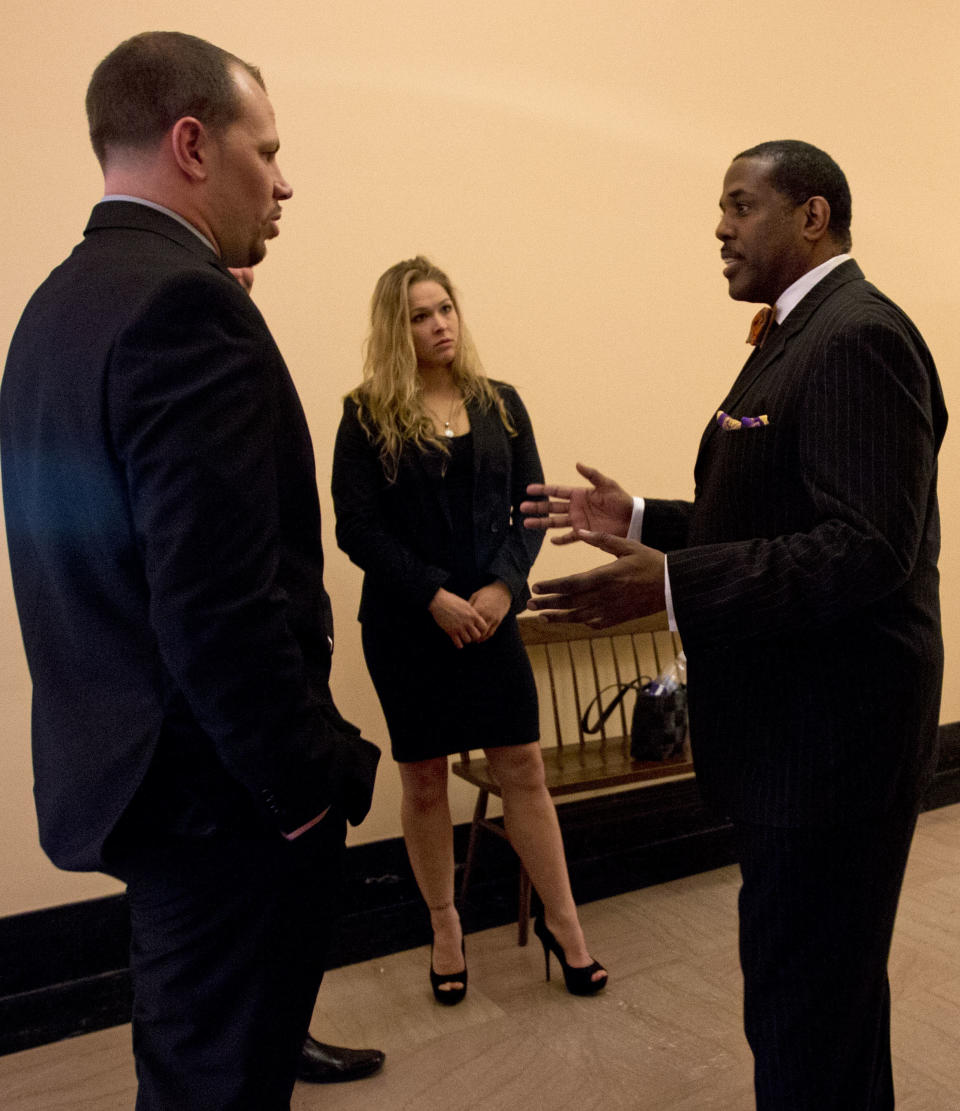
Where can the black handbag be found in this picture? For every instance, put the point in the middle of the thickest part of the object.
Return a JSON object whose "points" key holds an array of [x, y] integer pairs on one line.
{"points": [[658, 729]]}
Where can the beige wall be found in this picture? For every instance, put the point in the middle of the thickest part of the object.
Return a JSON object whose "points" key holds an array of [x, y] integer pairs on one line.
{"points": [[563, 162]]}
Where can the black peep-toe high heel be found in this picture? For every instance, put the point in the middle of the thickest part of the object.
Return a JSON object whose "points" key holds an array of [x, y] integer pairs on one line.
{"points": [[449, 997], [579, 981]]}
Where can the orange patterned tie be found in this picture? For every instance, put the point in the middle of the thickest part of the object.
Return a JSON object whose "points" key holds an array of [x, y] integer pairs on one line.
{"points": [[760, 326]]}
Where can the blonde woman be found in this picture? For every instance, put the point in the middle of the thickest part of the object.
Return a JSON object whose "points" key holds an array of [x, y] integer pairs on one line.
{"points": [[431, 462]]}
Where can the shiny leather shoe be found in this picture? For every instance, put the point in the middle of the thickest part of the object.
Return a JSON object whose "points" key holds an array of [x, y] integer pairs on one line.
{"points": [[331, 1064]]}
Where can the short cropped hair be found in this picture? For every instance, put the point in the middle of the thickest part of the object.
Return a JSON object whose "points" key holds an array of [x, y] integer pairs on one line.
{"points": [[147, 83], [800, 171]]}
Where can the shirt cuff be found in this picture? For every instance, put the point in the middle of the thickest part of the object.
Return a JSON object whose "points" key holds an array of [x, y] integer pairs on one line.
{"points": [[634, 533], [671, 616], [636, 520]]}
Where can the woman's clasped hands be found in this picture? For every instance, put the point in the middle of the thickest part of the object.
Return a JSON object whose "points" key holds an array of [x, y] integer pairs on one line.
{"points": [[473, 620]]}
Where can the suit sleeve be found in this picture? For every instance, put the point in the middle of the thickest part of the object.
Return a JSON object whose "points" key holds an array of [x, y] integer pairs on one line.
{"points": [[194, 389], [364, 531], [665, 523], [511, 563], [865, 468]]}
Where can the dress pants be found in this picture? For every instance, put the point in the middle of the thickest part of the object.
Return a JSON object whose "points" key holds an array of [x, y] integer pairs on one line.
{"points": [[817, 909], [229, 937]]}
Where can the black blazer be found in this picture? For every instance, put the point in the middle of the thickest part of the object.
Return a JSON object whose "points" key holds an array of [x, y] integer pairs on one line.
{"points": [[164, 535], [401, 534], [804, 573]]}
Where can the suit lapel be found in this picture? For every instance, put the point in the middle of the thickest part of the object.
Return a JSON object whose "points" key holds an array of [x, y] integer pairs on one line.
{"points": [[760, 359], [483, 428], [757, 362]]}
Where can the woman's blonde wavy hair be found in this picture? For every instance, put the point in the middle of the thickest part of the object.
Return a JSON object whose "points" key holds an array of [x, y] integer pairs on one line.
{"points": [[390, 397]]}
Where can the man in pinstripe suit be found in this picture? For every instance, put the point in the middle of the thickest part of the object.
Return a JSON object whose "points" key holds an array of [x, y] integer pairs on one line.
{"points": [[803, 580]]}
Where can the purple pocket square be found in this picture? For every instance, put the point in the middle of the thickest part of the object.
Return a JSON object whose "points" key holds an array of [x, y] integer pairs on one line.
{"points": [[727, 423]]}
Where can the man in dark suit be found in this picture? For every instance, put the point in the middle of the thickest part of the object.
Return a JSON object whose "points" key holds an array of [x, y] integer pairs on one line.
{"points": [[803, 581], [320, 1062], [164, 533]]}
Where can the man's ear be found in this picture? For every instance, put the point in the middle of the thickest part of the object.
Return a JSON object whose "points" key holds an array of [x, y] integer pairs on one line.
{"points": [[189, 141], [816, 218]]}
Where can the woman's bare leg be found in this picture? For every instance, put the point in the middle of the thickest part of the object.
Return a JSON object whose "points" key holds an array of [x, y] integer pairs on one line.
{"points": [[428, 833], [530, 819]]}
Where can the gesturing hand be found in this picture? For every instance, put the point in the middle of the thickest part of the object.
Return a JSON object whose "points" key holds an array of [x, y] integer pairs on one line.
{"points": [[602, 507], [629, 587], [462, 623]]}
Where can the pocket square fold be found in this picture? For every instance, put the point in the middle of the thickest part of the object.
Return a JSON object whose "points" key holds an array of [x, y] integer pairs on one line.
{"points": [[734, 424]]}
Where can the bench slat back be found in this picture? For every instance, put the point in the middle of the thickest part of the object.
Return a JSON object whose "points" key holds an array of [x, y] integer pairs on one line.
{"points": [[573, 664]]}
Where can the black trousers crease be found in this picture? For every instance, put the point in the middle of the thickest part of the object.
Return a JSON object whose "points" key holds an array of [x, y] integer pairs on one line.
{"points": [[229, 938], [817, 910]]}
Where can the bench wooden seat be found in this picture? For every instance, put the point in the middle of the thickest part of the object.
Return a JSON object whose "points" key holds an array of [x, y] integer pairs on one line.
{"points": [[571, 665]]}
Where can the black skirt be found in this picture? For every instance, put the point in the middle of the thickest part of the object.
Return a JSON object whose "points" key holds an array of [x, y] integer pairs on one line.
{"points": [[439, 699]]}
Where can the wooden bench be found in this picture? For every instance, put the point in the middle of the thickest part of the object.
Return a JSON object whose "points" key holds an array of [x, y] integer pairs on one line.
{"points": [[571, 665]]}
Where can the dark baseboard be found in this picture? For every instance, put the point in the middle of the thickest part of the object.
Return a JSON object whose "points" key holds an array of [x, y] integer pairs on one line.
{"points": [[63, 970]]}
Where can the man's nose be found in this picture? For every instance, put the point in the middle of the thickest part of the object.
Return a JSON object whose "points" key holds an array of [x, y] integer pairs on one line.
{"points": [[282, 189]]}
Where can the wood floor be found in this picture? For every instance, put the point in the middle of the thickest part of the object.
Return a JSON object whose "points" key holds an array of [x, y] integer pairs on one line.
{"points": [[665, 1035]]}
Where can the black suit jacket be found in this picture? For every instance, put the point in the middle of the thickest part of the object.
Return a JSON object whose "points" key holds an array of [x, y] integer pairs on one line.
{"points": [[804, 573], [401, 532], [164, 535]]}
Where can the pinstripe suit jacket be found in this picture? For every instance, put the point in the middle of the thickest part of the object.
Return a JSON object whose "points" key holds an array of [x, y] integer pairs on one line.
{"points": [[804, 573]]}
